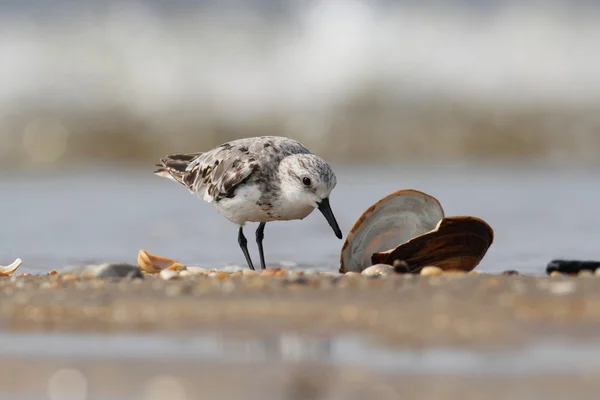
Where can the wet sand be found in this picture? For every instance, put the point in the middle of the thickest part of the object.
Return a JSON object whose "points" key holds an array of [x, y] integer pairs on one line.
{"points": [[492, 314], [400, 309]]}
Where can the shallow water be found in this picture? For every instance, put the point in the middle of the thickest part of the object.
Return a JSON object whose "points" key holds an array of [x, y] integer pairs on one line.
{"points": [[55, 219], [550, 355], [59, 366]]}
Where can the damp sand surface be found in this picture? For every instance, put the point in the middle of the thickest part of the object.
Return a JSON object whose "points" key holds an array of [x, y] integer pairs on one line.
{"points": [[302, 335]]}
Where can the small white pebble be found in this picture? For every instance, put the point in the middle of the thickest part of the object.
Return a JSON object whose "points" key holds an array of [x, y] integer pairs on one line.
{"points": [[168, 274], [197, 270], [185, 273], [562, 288], [431, 270], [378, 269]]}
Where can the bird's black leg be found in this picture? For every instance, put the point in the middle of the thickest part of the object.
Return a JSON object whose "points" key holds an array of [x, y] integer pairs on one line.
{"points": [[260, 235], [244, 245]]}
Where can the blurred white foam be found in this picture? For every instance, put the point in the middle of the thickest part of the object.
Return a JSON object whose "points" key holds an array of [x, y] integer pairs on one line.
{"points": [[302, 69], [235, 61]]}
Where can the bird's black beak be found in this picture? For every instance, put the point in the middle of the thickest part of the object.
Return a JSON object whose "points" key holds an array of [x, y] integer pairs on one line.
{"points": [[325, 208]]}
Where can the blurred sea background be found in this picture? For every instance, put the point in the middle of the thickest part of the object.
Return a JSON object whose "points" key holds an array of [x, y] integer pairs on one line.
{"points": [[491, 106]]}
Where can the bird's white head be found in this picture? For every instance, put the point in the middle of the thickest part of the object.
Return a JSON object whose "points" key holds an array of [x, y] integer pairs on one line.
{"points": [[308, 180]]}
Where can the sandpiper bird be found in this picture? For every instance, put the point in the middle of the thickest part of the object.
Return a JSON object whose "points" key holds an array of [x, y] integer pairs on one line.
{"points": [[257, 179]]}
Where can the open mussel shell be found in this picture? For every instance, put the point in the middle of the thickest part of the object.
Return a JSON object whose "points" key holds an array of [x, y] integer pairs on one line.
{"points": [[391, 221], [8, 270], [457, 243]]}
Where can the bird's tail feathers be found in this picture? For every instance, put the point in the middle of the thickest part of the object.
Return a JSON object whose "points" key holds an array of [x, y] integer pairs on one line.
{"points": [[175, 167]]}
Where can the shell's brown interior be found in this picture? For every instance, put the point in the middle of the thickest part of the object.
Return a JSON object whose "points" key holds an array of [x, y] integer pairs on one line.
{"points": [[457, 243], [393, 220]]}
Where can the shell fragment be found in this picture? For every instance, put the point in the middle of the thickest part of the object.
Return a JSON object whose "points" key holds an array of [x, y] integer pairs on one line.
{"points": [[8, 270]]}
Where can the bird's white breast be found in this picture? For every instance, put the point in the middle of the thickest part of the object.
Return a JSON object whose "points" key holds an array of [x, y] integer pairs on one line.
{"points": [[243, 207]]}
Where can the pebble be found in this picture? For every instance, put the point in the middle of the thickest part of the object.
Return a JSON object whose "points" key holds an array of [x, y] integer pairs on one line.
{"points": [[219, 275], [555, 274], [168, 274], [510, 272], [197, 270], [185, 273], [116, 271], [249, 272], [274, 272], [431, 270], [352, 274], [401, 267], [597, 272], [378, 269]]}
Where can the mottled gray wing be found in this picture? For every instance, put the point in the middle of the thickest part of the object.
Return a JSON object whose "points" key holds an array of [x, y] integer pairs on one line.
{"points": [[219, 172], [216, 174]]}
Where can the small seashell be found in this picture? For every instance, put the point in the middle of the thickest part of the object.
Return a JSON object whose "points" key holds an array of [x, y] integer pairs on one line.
{"points": [[378, 269], [431, 270], [152, 264], [177, 267], [10, 269], [169, 274], [352, 274]]}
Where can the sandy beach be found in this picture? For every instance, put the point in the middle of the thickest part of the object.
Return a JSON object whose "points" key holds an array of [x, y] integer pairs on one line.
{"points": [[457, 309], [396, 313]]}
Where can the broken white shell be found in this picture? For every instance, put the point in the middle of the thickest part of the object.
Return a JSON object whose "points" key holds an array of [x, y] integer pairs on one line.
{"points": [[8, 270], [153, 264]]}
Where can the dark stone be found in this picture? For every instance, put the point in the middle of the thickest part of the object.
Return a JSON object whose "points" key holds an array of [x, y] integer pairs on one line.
{"points": [[401, 267], [571, 266]]}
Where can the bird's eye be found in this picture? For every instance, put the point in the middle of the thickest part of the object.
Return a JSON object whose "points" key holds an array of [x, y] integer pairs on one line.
{"points": [[306, 181]]}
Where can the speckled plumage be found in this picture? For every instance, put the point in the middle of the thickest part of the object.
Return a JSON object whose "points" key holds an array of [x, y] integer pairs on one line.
{"points": [[258, 179]]}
